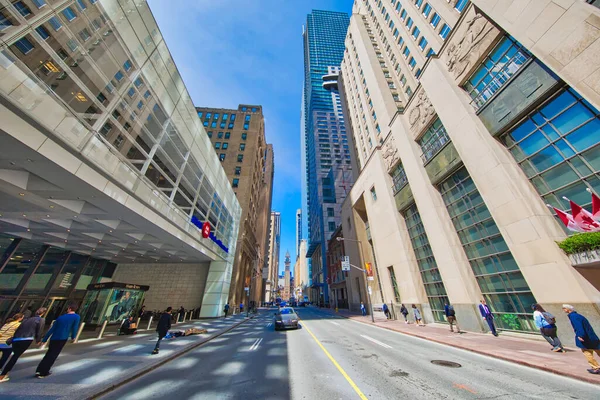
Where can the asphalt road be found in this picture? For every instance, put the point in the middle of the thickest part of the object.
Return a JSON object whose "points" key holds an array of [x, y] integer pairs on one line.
{"points": [[335, 358]]}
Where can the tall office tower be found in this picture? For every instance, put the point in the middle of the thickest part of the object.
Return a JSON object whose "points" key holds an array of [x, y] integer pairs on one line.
{"points": [[272, 273], [298, 230], [326, 150], [287, 275], [238, 137], [467, 119], [104, 164]]}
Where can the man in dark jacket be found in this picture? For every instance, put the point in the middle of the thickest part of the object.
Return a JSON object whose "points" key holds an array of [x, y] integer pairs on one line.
{"points": [[585, 337], [164, 324], [486, 314]]}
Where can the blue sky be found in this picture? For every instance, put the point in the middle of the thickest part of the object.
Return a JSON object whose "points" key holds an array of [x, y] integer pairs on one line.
{"points": [[231, 52]]}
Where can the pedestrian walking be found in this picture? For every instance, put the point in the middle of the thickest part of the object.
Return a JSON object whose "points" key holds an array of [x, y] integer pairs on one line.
{"points": [[241, 308], [386, 311], [404, 312], [585, 337], [142, 312], [181, 314], [27, 313], [64, 326], [487, 316], [451, 317], [226, 309], [417, 314], [546, 323], [164, 324], [363, 310], [30, 329], [7, 333]]}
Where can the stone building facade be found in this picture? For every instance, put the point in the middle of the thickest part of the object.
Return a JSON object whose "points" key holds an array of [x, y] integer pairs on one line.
{"points": [[489, 111]]}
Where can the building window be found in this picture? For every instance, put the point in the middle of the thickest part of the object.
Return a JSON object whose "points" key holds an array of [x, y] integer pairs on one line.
{"points": [[426, 10], [406, 52], [220, 135], [209, 133], [331, 226], [131, 92], [216, 116], [24, 45], [127, 65], [225, 146], [39, 3], [373, 193], [235, 183], [460, 5], [42, 32], [213, 124], [394, 284], [430, 53], [232, 118], [399, 178], [230, 125], [330, 212], [433, 140], [496, 69], [217, 145], [69, 14], [85, 35], [55, 23], [496, 271], [4, 22], [246, 126], [416, 32], [242, 146], [423, 43], [558, 148], [22, 8], [227, 135], [240, 158], [244, 108], [445, 31], [222, 157], [105, 130], [82, 5], [119, 76], [200, 114], [430, 274], [412, 63], [247, 118], [435, 20], [238, 171]]}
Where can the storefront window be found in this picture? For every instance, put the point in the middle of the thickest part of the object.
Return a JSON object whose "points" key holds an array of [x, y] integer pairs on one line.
{"points": [[24, 258], [66, 278], [52, 262]]}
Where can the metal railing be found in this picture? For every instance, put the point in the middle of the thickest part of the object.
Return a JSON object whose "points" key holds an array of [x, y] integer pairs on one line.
{"points": [[503, 75], [434, 144]]}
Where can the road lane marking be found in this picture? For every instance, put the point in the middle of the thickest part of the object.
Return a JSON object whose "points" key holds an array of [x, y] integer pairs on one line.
{"points": [[269, 324], [256, 344], [376, 342], [464, 387], [344, 374], [335, 323]]}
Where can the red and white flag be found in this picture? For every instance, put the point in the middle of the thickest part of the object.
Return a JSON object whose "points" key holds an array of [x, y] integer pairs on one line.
{"points": [[595, 206], [583, 217], [568, 221]]}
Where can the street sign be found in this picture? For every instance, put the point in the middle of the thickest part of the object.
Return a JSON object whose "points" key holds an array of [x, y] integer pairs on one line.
{"points": [[346, 263]]}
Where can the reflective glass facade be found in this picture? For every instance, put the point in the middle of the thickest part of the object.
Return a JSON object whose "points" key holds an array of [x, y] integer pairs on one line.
{"points": [[432, 280], [35, 275], [558, 148], [497, 273]]}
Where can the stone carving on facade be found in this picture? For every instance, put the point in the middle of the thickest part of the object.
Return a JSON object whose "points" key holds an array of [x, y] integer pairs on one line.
{"points": [[390, 153], [466, 50], [422, 111]]}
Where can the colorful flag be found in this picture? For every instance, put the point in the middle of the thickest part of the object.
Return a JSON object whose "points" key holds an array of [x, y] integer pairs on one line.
{"points": [[568, 221], [595, 206], [583, 217]]}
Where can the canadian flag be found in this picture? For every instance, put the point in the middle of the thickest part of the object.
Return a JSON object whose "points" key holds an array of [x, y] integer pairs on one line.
{"points": [[568, 220], [583, 217], [595, 206]]}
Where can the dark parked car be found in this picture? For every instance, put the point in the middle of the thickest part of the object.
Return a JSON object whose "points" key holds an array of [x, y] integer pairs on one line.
{"points": [[286, 318]]}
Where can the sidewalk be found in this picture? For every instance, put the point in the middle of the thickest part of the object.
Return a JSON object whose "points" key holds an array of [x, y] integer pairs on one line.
{"points": [[92, 366], [531, 353]]}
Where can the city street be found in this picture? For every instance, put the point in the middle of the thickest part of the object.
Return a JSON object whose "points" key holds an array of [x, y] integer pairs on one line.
{"points": [[336, 358]]}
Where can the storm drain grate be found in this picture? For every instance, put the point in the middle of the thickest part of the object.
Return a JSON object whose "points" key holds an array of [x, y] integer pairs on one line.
{"points": [[444, 363]]}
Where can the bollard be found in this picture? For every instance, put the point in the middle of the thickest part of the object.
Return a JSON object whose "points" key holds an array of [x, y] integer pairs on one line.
{"points": [[102, 329], [79, 332], [137, 324], [185, 317], [43, 346], [150, 322], [177, 319]]}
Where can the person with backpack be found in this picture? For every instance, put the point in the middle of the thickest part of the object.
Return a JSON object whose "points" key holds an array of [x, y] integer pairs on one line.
{"points": [[404, 312], [546, 323], [31, 329], [451, 317], [164, 324], [226, 309], [386, 311], [7, 333]]}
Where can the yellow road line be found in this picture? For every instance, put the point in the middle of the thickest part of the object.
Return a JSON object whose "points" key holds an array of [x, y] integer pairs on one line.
{"points": [[344, 374]]}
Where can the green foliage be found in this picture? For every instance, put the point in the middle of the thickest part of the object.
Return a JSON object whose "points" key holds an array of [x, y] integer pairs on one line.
{"points": [[510, 321], [580, 243]]}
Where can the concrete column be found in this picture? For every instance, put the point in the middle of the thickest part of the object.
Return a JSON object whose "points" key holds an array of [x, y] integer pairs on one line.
{"points": [[217, 289], [528, 227]]}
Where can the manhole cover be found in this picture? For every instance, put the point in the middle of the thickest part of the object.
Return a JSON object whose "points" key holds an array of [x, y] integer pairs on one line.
{"points": [[445, 363]]}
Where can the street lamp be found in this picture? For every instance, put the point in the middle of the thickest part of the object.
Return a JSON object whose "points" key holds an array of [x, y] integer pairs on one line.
{"points": [[364, 270]]}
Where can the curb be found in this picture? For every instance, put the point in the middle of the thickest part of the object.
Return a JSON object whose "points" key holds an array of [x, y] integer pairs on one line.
{"points": [[583, 378], [101, 392]]}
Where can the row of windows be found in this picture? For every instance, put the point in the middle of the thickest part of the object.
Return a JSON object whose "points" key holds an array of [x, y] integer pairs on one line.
{"points": [[225, 145]]}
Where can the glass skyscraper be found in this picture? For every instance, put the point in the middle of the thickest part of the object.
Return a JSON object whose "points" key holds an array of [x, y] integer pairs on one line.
{"points": [[326, 150]]}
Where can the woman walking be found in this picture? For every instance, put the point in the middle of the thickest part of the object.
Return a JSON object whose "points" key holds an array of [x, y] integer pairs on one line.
{"points": [[404, 312], [417, 313], [6, 336], [30, 329], [546, 323]]}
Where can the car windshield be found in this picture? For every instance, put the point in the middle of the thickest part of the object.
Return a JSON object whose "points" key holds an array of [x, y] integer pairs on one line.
{"points": [[285, 311]]}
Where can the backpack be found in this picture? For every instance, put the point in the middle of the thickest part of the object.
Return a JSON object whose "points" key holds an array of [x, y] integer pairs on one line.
{"points": [[550, 319], [451, 312]]}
